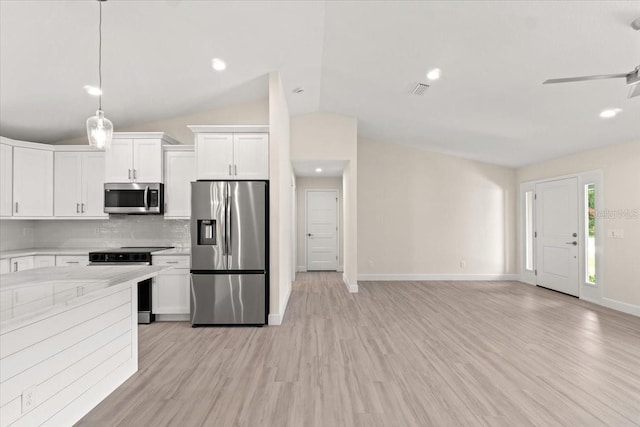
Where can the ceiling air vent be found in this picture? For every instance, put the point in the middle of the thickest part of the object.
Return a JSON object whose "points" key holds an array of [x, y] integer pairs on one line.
{"points": [[419, 89]]}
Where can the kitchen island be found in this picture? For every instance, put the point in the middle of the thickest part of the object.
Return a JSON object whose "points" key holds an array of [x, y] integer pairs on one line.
{"points": [[68, 338]]}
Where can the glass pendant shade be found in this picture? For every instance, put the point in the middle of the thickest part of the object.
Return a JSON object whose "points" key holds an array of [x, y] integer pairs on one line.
{"points": [[99, 131]]}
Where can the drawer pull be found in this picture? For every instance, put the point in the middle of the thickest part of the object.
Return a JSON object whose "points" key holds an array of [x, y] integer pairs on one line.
{"points": [[171, 262]]}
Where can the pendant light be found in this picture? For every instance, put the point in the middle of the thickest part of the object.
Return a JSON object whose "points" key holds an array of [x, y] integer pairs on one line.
{"points": [[99, 128]]}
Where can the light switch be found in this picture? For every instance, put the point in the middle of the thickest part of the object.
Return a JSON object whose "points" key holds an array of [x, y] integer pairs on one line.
{"points": [[615, 233]]}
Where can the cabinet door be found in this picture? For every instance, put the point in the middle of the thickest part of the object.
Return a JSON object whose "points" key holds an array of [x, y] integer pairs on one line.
{"points": [[179, 172], [32, 182], [214, 156], [6, 180], [21, 263], [171, 292], [147, 160], [93, 164], [67, 183], [251, 155], [40, 261], [119, 161]]}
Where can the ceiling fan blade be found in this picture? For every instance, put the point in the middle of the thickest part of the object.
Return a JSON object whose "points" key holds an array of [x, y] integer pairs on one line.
{"points": [[585, 78], [635, 91]]}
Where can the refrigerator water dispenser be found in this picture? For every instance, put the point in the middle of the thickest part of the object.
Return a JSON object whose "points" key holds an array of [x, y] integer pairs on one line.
{"points": [[206, 232]]}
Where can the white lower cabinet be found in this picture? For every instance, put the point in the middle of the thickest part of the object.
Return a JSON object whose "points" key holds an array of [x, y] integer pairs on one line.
{"points": [[171, 289], [72, 260], [22, 263], [41, 261]]}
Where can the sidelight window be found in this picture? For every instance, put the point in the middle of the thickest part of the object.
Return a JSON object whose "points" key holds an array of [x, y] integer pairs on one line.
{"points": [[590, 233]]}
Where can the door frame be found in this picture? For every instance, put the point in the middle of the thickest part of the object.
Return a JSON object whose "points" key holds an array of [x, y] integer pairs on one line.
{"points": [[587, 291], [306, 223]]}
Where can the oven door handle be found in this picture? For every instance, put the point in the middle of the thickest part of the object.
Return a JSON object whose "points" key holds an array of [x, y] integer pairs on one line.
{"points": [[146, 197]]}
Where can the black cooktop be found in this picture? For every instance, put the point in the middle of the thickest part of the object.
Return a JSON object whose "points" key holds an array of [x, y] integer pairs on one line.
{"points": [[129, 254]]}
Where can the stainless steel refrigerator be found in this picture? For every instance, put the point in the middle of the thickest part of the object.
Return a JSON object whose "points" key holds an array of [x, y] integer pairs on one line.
{"points": [[229, 253]]}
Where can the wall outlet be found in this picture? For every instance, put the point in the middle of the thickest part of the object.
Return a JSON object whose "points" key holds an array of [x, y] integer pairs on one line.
{"points": [[28, 399], [615, 233], [463, 264]]}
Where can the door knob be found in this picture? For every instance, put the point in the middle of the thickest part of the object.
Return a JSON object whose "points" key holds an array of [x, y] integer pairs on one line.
{"points": [[574, 243], [309, 234], [575, 234]]}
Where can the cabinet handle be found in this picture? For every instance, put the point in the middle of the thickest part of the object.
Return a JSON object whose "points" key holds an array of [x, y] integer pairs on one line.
{"points": [[229, 170], [15, 266], [82, 207], [16, 207], [134, 174], [171, 262], [77, 207], [129, 173], [73, 262], [235, 169]]}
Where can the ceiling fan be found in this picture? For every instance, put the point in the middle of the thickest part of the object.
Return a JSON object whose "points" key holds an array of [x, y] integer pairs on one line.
{"points": [[632, 77]]}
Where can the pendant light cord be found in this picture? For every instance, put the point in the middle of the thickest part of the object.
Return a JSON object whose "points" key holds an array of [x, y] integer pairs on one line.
{"points": [[100, 56]]}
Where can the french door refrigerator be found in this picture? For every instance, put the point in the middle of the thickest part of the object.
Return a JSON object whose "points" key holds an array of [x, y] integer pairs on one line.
{"points": [[229, 255]]}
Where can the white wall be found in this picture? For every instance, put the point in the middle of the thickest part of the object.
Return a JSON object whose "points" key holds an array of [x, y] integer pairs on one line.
{"points": [[327, 136], [281, 218], [16, 234], [251, 113], [620, 165], [304, 184], [422, 213]]}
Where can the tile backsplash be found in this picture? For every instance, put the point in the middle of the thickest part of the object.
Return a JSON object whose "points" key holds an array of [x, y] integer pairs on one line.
{"points": [[118, 230], [16, 234]]}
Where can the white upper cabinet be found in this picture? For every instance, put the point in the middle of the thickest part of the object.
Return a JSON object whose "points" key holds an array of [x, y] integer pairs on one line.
{"points": [[147, 160], [136, 157], [79, 180], [119, 161], [215, 155], [231, 155], [93, 165], [6, 180], [251, 156], [32, 182], [178, 174]]}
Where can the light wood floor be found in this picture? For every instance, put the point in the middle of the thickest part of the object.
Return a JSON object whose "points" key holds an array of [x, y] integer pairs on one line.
{"points": [[396, 354]]}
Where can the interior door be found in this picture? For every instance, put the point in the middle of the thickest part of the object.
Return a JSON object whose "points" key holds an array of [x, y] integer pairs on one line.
{"points": [[557, 235], [322, 230]]}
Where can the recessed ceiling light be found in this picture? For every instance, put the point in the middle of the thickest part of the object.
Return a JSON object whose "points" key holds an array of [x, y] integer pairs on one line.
{"points": [[609, 113], [218, 64], [318, 169], [92, 90], [298, 90], [434, 74]]}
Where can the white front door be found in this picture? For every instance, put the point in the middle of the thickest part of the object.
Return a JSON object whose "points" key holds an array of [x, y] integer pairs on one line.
{"points": [[557, 235], [322, 229]]}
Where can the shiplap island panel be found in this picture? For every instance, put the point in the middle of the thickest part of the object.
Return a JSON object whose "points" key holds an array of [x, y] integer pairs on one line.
{"points": [[68, 338]]}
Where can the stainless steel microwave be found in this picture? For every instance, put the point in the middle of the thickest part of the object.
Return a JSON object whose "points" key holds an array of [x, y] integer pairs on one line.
{"points": [[134, 198]]}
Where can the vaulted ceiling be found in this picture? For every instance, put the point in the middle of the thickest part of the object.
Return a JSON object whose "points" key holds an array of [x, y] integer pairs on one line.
{"points": [[356, 58]]}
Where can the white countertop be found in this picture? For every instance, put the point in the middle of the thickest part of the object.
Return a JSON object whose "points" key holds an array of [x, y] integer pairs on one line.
{"points": [[28, 295], [174, 251], [79, 251], [46, 251]]}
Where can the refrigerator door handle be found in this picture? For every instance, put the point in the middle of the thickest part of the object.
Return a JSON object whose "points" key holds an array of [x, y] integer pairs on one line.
{"points": [[228, 231]]}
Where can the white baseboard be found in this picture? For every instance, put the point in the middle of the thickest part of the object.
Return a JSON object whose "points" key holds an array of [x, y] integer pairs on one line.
{"points": [[621, 306], [451, 277], [351, 288], [276, 319]]}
